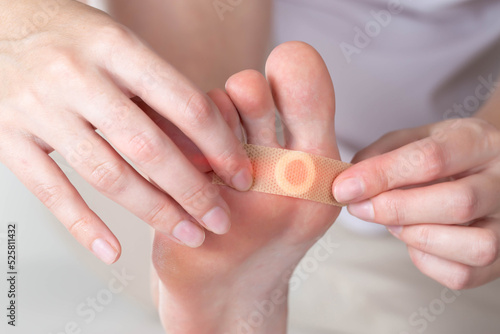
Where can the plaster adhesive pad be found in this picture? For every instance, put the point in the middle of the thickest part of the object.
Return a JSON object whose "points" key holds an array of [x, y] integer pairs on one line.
{"points": [[292, 173]]}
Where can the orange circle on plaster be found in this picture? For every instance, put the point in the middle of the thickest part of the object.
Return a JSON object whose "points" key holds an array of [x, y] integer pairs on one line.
{"points": [[295, 173]]}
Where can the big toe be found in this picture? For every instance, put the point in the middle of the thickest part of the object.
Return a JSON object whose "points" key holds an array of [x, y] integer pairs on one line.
{"points": [[304, 95]]}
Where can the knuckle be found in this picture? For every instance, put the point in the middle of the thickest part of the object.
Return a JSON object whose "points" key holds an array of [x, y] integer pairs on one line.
{"points": [[460, 279], [225, 158], [198, 109], [465, 204], [114, 34], [158, 215], [486, 250], [109, 178], [394, 208], [26, 98], [384, 178], [422, 238], [435, 161], [50, 196], [195, 198], [65, 67], [146, 147], [80, 226], [480, 132]]}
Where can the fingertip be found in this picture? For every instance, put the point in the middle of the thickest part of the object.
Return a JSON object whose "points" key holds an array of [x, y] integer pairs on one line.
{"points": [[363, 210], [243, 180], [217, 220], [104, 250], [348, 189], [189, 234], [395, 230]]}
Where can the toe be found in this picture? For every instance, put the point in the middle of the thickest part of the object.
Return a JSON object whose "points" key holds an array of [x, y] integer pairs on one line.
{"points": [[303, 92], [251, 94]]}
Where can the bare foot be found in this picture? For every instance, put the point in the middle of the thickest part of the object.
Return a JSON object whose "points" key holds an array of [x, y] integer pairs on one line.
{"points": [[217, 287]]}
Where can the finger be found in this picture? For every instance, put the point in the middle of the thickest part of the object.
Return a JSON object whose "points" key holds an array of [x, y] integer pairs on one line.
{"points": [[452, 148], [170, 94], [390, 142], [96, 161], [138, 138], [186, 145], [476, 245], [456, 276], [455, 202], [41, 175], [305, 98], [228, 111], [251, 94]]}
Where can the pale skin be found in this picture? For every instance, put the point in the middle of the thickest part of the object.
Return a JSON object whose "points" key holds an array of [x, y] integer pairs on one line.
{"points": [[452, 170], [212, 288], [68, 69], [215, 289]]}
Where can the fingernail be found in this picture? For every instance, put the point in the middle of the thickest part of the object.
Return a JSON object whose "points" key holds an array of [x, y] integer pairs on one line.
{"points": [[104, 251], [243, 180], [349, 190], [189, 234], [217, 220], [395, 230], [362, 210]]}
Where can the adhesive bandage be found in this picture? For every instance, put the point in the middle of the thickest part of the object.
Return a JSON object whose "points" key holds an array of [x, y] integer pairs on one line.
{"points": [[293, 173]]}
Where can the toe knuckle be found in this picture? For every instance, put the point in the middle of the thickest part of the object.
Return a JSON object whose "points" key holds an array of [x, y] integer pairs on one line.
{"points": [[50, 195], [109, 178], [146, 148]]}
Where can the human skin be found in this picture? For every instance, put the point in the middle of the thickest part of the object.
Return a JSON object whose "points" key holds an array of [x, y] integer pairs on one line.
{"points": [[192, 36], [68, 69], [425, 184], [213, 289]]}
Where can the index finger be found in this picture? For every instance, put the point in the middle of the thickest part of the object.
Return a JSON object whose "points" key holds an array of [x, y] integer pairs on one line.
{"points": [[451, 148], [163, 88]]}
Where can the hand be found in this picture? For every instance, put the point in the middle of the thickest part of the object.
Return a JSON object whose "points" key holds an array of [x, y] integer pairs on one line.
{"points": [[213, 289], [437, 188], [68, 69]]}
